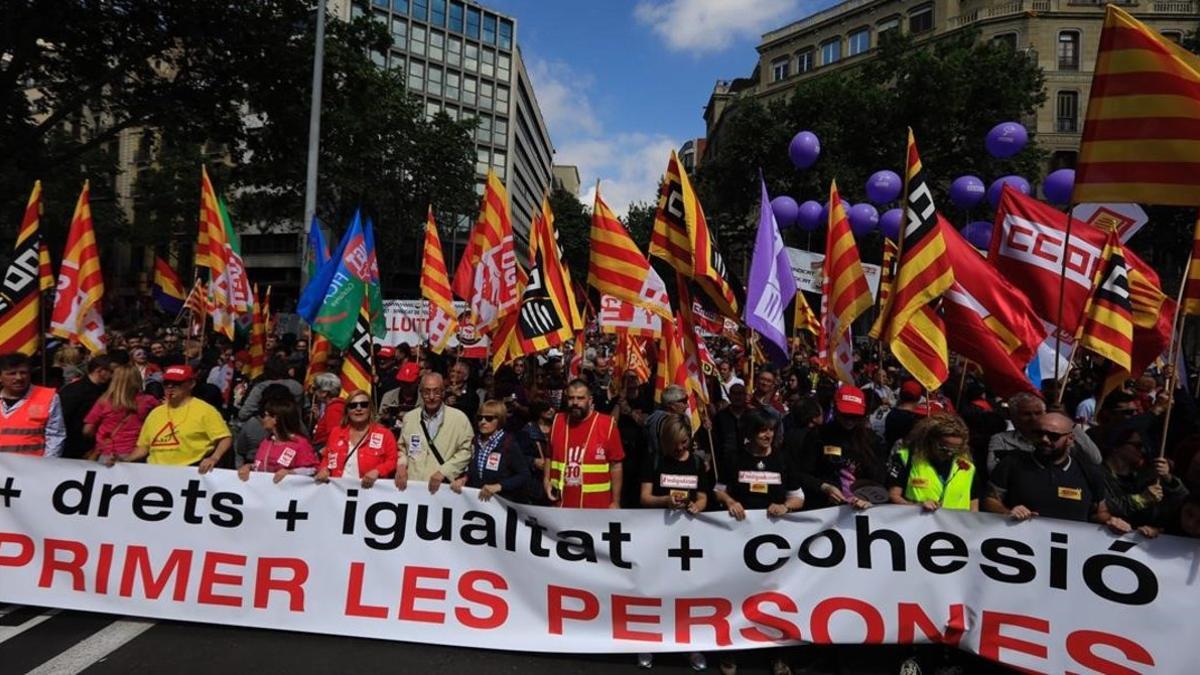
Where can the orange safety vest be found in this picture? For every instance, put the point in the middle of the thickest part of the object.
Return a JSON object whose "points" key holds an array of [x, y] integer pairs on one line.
{"points": [[586, 478], [24, 429]]}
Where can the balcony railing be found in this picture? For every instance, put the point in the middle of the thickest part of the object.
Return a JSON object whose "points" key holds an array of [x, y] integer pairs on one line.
{"points": [[1021, 6]]}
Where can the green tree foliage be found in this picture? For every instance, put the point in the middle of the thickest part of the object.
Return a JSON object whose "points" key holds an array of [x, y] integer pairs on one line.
{"points": [[950, 92]]}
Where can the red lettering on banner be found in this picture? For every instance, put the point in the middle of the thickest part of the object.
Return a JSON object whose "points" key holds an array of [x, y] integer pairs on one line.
{"points": [[24, 546], [1079, 647], [354, 604], [622, 617], [265, 582], [468, 592], [103, 568], [912, 616], [991, 641], [411, 592], [827, 608], [556, 613], [73, 566], [137, 563], [752, 610], [209, 577], [718, 619]]}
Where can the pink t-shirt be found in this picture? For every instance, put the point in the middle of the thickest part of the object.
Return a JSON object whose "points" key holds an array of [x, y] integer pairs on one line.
{"points": [[296, 454], [117, 429]]}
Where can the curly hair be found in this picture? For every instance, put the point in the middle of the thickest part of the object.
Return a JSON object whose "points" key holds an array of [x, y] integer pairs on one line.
{"points": [[927, 432]]}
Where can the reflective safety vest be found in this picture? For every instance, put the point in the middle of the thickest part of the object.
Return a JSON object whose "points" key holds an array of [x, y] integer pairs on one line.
{"points": [[23, 431], [581, 476], [925, 485]]}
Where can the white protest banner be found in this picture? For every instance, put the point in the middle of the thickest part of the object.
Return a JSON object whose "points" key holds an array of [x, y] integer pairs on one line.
{"points": [[405, 321], [618, 316], [163, 542], [806, 267], [1124, 219]]}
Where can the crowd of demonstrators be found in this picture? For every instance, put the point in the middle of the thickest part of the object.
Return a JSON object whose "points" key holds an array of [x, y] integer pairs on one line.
{"points": [[537, 431]]}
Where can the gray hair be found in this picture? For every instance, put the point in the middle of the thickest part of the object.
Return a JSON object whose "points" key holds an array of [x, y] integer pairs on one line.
{"points": [[1021, 398], [327, 382], [674, 394]]}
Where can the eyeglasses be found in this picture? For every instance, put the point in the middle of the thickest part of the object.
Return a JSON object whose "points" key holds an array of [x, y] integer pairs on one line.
{"points": [[1054, 436], [487, 418], [171, 385], [359, 405], [431, 392]]}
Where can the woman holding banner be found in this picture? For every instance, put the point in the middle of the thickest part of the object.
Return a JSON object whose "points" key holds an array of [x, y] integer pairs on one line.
{"points": [[116, 418], [360, 447], [497, 465], [285, 450], [933, 467]]}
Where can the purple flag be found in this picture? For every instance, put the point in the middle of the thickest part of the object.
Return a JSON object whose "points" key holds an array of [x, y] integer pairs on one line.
{"points": [[771, 286]]}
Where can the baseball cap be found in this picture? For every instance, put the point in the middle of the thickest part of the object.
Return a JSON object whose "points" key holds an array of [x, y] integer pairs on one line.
{"points": [[851, 401], [912, 389], [409, 372], [178, 374], [386, 352]]}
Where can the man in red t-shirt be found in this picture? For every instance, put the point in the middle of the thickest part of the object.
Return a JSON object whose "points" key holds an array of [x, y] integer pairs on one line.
{"points": [[585, 455]]}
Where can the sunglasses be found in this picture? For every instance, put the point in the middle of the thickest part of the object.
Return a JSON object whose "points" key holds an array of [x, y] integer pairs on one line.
{"points": [[1054, 436], [487, 418], [359, 405]]}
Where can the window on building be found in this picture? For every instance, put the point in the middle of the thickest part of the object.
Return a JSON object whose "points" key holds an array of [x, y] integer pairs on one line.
{"points": [[437, 45], [416, 76], [500, 162], [417, 45], [779, 69], [483, 157], [453, 82], [396, 65], [379, 58], [454, 51], [920, 19], [886, 26], [487, 65], [483, 131], [1067, 112], [1068, 50], [504, 67], [831, 52], [452, 111], [471, 58], [435, 80], [381, 18], [473, 17], [502, 100], [489, 28], [1006, 40], [357, 10], [858, 42], [420, 9], [506, 30], [432, 108], [804, 61], [470, 85], [399, 33], [400, 6], [380, 3], [456, 16], [500, 131], [437, 12], [485, 95], [1063, 159]]}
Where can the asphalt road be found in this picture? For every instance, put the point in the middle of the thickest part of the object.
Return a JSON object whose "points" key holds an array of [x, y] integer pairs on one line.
{"points": [[52, 642]]}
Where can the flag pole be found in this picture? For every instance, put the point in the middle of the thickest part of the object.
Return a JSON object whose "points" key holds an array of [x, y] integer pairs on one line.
{"points": [[314, 140], [42, 330], [1062, 292], [1176, 335]]}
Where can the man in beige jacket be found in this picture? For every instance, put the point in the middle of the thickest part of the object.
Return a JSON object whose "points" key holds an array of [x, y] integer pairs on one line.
{"points": [[435, 439]]}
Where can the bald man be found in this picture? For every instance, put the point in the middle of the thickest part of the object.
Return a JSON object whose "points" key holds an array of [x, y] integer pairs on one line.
{"points": [[436, 437]]}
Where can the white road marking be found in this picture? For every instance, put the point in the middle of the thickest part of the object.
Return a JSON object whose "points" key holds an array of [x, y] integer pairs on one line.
{"points": [[9, 632], [99, 645]]}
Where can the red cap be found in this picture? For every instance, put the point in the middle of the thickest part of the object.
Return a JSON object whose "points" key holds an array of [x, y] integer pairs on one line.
{"points": [[386, 352], [242, 355], [912, 388], [409, 372], [178, 374], [851, 401]]}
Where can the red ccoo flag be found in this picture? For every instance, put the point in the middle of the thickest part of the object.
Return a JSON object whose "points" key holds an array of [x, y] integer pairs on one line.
{"points": [[76, 315]]}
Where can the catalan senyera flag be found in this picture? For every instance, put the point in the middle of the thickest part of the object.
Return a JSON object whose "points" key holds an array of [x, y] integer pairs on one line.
{"points": [[212, 251], [358, 361], [486, 276], [442, 322], [846, 294], [672, 368], [45, 271], [1142, 129], [887, 276], [76, 316], [617, 268], [1191, 293], [20, 289], [681, 238], [210, 219], [804, 319], [1153, 315], [197, 308], [318, 357], [912, 327], [693, 344], [168, 288], [1108, 322], [258, 339], [547, 315]]}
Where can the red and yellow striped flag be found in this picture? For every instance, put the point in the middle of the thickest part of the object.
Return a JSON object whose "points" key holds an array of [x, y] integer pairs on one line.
{"points": [[1191, 294], [887, 277], [673, 369], [441, 322], [911, 325], [1108, 321], [846, 294], [212, 251], [804, 319], [210, 218], [1141, 136], [358, 361], [318, 357], [488, 274], [20, 295], [76, 316], [258, 339], [45, 271], [617, 268]]}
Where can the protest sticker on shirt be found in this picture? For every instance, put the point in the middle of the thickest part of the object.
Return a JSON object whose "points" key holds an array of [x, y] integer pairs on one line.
{"points": [[414, 444], [493, 461], [286, 457], [376, 441], [678, 481]]}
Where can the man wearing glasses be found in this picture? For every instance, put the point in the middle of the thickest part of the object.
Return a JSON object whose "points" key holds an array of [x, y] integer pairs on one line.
{"points": [[183, 430], [1026, 412], [435, 437]]}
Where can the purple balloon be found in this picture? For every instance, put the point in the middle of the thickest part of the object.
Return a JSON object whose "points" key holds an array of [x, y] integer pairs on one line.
{"points": [[786, 210], [825, 211], [967, 191], [889, 223], [979, 233], [1019, 184], [863, 219], [883, 187], [809, 216], [1006, 139], [804, 149], [1059, 185]]}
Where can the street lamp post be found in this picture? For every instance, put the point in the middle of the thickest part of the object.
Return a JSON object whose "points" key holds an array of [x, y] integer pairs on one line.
{"points": [[314, 141]]}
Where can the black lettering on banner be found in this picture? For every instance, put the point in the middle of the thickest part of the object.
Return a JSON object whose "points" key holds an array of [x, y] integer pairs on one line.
{"points": [[443, 531], [615, 538], [536, 530], [152, 497], [67, 488], [864, 537], [481, 534], [396, 527], [225, 513], [107, 492], [192, 494], [1023, 572], [750, 553], [350, 511], [837, 549], [1058, 561], [582, 548], [1093, 575], [927, 555]]}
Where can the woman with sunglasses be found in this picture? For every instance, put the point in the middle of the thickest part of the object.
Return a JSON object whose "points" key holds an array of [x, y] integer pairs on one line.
{"points": [[497, 464], [285, 450], [933, 467], [360, 447]]}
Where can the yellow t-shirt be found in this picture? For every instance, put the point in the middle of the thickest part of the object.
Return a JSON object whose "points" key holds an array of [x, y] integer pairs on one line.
{"points": [[181, 436]]}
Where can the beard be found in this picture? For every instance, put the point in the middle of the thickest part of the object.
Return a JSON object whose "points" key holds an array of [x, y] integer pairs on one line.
{"points": [[1049, 453], [577, 413]]}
